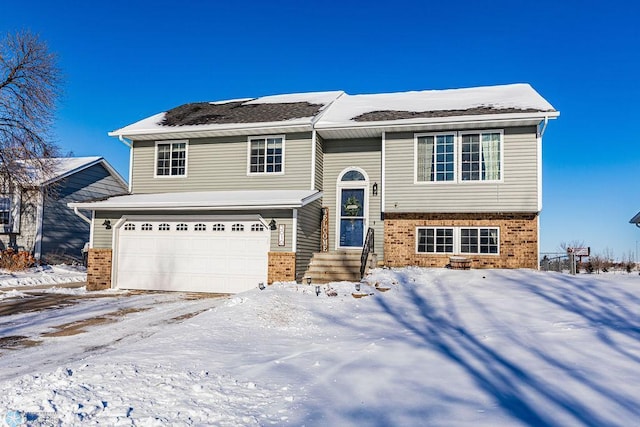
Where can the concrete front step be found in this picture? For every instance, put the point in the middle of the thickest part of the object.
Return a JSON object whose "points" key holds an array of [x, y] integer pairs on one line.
{"points": [[334, 267]]}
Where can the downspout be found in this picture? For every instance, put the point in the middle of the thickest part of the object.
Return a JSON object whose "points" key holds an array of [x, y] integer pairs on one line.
{"points": [[546, 122], [130, 145], [81, 215]]}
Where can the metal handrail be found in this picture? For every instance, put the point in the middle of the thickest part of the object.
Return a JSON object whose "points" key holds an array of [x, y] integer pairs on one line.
{"points": [[367, 248]]}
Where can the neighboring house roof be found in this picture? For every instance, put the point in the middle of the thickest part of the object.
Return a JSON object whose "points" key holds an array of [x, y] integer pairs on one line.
{"points": [[329, 111], [62, 167], [209, 200], [635, 219]]}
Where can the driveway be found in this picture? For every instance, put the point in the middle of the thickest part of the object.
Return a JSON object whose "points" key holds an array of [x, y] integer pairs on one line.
{"points": [[72, 326]]}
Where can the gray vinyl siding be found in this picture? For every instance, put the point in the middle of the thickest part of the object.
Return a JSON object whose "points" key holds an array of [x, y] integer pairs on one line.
{"points": [[216, 164], [309, 218], [102, 238], [517, 193], [366, 154], [319, 162], [63, 232]]}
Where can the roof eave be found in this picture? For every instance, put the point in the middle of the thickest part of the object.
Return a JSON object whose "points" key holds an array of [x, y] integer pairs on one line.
{"points": [[204, 131], [635, 219], [434, 121]]}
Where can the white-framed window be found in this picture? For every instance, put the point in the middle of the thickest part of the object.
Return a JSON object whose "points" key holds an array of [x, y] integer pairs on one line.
{"points": [[164, 227], [146, 227], [217, 227], [237, 227], [479, 240], [5, 212], [454, 157], [266, 155], [481, 156], [171, 158], [200, 227], [182, 227], [435, 157], [435, 240], [130, 227], [458, 240]]}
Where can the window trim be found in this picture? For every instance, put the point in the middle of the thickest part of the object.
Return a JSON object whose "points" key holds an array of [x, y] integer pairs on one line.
{"points": [[186, 158], [457, 240], [415, 157], [265, 137], [434, 245], [457, 150], [459, 160], [15, 210]]}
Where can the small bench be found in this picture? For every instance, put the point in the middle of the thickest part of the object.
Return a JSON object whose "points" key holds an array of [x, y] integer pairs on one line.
{"points": [[459, 263]]}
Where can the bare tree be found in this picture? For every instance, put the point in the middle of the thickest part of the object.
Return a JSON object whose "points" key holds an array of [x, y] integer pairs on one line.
{"points": [[29, 88]]}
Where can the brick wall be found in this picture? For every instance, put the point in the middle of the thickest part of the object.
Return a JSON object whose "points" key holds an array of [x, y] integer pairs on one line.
{"points": [[98, 269], [518, 239], [282, 267]]}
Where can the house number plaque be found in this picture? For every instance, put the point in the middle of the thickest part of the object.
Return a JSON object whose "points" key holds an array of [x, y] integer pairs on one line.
{"points": [[281, 240]]}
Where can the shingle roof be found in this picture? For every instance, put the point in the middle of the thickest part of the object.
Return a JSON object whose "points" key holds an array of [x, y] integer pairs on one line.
{"points": [[203, 113], [382, 115]]}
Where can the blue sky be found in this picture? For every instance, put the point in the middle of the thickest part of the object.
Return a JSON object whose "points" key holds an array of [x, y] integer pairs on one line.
{"points": [[126, 60]]}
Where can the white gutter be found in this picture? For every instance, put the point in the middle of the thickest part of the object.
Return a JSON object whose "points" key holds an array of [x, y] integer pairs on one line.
{"points": [[437, 121]]}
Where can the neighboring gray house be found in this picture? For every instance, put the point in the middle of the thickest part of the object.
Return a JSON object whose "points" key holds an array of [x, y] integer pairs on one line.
{"points": [[229, 194], [38, 220]]}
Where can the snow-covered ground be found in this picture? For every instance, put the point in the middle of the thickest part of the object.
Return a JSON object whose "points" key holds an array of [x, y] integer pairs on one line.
{"points": [[43, 275], [438, 348]]}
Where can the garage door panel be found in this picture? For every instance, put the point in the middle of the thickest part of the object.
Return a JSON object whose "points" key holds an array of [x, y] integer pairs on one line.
{"points": [[199, 261]]}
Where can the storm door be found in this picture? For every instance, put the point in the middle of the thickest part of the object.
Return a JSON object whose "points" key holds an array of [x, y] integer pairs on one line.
{"points": [[352, 207]]}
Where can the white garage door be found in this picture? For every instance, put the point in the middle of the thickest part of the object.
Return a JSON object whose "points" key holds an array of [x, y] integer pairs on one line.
{"points": [[192, 255]]}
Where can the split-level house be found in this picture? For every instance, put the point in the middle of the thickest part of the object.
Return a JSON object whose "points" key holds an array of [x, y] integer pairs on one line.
{"points": [[227, 195]]}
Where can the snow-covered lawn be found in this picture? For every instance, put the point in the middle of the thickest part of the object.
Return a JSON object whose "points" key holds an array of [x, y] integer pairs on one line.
{"points": [[439, 348], [42, 275]]}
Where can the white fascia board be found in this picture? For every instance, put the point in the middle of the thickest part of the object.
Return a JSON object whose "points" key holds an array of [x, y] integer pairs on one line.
{"points": [[202, 131], [437, 121]]}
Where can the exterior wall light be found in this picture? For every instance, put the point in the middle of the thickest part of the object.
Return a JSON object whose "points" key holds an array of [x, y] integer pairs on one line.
{"points": [[272, 224], [107, 224], [374, 189]]}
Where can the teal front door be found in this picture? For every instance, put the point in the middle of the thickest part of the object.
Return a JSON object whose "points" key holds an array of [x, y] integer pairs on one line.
{"points": [[352, 218]]}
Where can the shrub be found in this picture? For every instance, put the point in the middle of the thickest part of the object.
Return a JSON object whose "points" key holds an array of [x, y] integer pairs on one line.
{"points": [[16, 261]]}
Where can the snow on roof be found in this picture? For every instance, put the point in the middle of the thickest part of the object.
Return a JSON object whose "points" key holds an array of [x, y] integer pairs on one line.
{"points": [[480, 100], [274, 110], [322, 98], [61, 167], [249, 199]]}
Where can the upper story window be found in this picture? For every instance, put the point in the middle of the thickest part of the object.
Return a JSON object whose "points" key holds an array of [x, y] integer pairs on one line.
{"points": [[435, 158], [266, 154], [480, 156], [171, 158], [458, 157]]}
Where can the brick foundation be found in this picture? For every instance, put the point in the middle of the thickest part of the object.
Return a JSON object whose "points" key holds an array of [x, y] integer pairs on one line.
{"points": [[518, 239], [282, 267], [99, 269]]}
